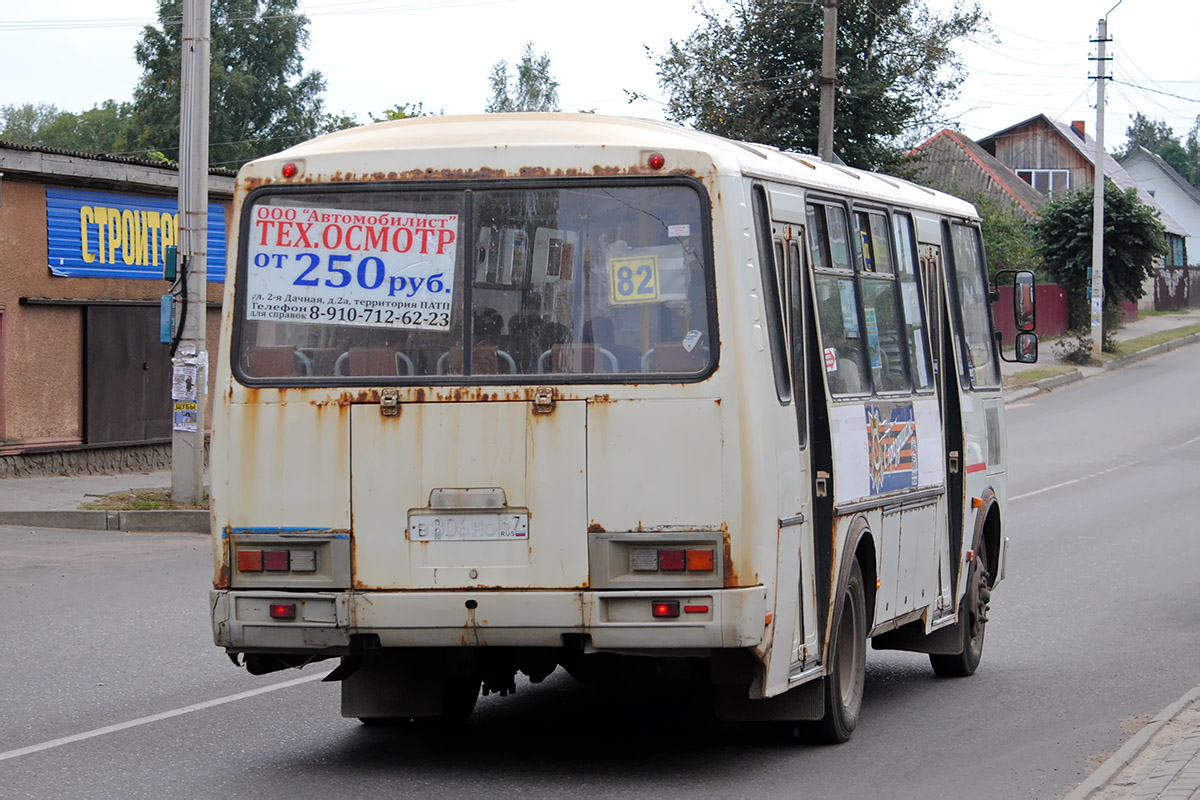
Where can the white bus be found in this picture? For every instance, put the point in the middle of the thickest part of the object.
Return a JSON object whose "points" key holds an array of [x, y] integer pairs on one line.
{"points": [[501, 393]]}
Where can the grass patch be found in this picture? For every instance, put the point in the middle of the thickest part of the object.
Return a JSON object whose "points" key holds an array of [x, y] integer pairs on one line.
{"points": [[141, 500], [1142, 342], [1029, 376]]}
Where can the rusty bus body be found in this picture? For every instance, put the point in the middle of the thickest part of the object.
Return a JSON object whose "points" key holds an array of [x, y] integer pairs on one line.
{"points": [[509, 392]]}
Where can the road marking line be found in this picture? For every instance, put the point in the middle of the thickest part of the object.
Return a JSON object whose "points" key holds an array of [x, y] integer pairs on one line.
{"points": [[220, 701], [1098, 474]]}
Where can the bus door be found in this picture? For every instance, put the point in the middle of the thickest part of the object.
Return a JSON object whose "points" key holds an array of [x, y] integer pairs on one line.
{"points": [[795, 519], [933, 278]]}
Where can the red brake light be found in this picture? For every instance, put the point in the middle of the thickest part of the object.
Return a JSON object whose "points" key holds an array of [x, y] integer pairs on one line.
{"points": [[656, 160], [290, 170], [283, 610], [665, 608]]}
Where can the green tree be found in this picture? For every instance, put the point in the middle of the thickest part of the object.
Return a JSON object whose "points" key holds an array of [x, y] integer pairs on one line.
{"points": [[261, 100], [1009, 236], [534, 89], [105, 128], [1193, 154], [754, 75], [1157, 136], [1133, 239], [400, 111], [26, 123]]}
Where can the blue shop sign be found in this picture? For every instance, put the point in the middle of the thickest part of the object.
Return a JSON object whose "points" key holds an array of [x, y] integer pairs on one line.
{"points": [[109, 235]]}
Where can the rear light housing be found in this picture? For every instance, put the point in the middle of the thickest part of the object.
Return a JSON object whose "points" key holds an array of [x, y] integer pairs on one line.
{"points": [[278, 559], [657, 560]]}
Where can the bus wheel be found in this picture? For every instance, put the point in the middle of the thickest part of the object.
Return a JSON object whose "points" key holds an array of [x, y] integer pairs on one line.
{"points": [[848, 662], [972, 622]]}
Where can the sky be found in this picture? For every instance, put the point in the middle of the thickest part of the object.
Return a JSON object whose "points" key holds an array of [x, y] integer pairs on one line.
{"points": [[377, 53]]}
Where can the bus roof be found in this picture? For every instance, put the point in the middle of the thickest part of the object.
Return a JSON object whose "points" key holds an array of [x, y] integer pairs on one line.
{"points": [[558, 144]]}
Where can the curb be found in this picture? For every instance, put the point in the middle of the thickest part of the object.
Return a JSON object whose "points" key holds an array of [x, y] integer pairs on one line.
{"points": [[1057, 381], [128, 521], [1131, 749]]}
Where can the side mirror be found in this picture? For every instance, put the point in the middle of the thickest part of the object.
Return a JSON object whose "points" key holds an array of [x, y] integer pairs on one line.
{"points": [[1024, 315], [1024, 311], [1027, 348]]}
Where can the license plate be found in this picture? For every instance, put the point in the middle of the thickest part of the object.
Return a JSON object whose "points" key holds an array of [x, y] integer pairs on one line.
{"points": [[474, 527]]}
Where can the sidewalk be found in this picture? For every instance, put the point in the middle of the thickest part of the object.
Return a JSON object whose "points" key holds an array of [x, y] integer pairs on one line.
{"points": [[1160, 761], [54, 503], [1146, 326]]}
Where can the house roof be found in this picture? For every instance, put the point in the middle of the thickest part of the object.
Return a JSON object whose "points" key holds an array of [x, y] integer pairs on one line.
{"points": [[1167, 169], [1019, 191], [116, 159], [1113, 171]]}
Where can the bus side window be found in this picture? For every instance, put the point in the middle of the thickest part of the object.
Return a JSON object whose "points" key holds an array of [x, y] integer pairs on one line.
{"points": [[769, 275], [796, 327], [972, 295], [910, 300], [883, 337], [837, 302]]}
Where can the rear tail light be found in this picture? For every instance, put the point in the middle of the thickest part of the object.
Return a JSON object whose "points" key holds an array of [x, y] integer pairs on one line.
{"points": [[250, 561], [672, 560], [695, 559], [700, 560], [277, 560]]}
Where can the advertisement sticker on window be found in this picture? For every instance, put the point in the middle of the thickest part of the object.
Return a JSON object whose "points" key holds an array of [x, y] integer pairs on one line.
{"points": [[334, 266]]}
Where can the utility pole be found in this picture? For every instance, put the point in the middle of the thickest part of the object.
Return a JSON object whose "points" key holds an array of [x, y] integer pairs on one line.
{"points": [[1096, 289], [828, 81], [189, 384]]}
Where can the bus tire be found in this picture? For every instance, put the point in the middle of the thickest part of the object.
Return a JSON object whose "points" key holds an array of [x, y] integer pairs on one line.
{"points": [[848, 660], [972, 622]]}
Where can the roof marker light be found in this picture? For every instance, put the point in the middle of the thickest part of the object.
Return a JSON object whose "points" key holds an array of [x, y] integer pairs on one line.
{"points": [[656, 161], [290, 170]]}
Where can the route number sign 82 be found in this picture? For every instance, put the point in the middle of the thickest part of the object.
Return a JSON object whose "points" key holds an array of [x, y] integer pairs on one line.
{"points": [[633, 279]]}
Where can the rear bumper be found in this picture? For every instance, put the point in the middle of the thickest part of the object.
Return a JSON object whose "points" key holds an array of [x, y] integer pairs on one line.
{"points": [[325, 621]]}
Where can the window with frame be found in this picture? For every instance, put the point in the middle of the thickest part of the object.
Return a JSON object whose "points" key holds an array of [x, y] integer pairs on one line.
{"points": [[910, 300], [837, 301], [977, 361], [1046, 181], [885, 347], [517, 283]]}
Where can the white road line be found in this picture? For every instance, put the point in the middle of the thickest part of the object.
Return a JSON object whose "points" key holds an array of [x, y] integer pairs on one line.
{"points": [[220, 701], [1098, 474]]}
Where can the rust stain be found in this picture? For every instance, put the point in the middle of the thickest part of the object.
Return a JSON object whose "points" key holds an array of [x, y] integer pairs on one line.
{"points": [[596, 527], [731, 579]]}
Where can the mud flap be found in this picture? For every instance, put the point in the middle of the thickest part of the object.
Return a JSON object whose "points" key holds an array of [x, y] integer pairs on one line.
{"points": [[803, 702], [395, 685]]}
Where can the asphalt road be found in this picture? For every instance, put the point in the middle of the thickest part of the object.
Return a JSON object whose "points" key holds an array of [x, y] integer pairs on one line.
{"points": [[112, 687]]}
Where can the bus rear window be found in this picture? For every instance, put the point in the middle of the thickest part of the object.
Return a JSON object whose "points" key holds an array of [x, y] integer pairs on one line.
{"points": [[537, 283]]}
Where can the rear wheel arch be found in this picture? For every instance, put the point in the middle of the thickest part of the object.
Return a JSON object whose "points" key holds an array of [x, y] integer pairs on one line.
{"points": [[987, 533], [865, 552]]}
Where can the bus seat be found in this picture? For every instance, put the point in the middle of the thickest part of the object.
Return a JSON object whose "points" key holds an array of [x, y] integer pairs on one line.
{"points": [[485, 360], [674, 357], [324, 359], [576, 359], [374, 361], [273, 361]]}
